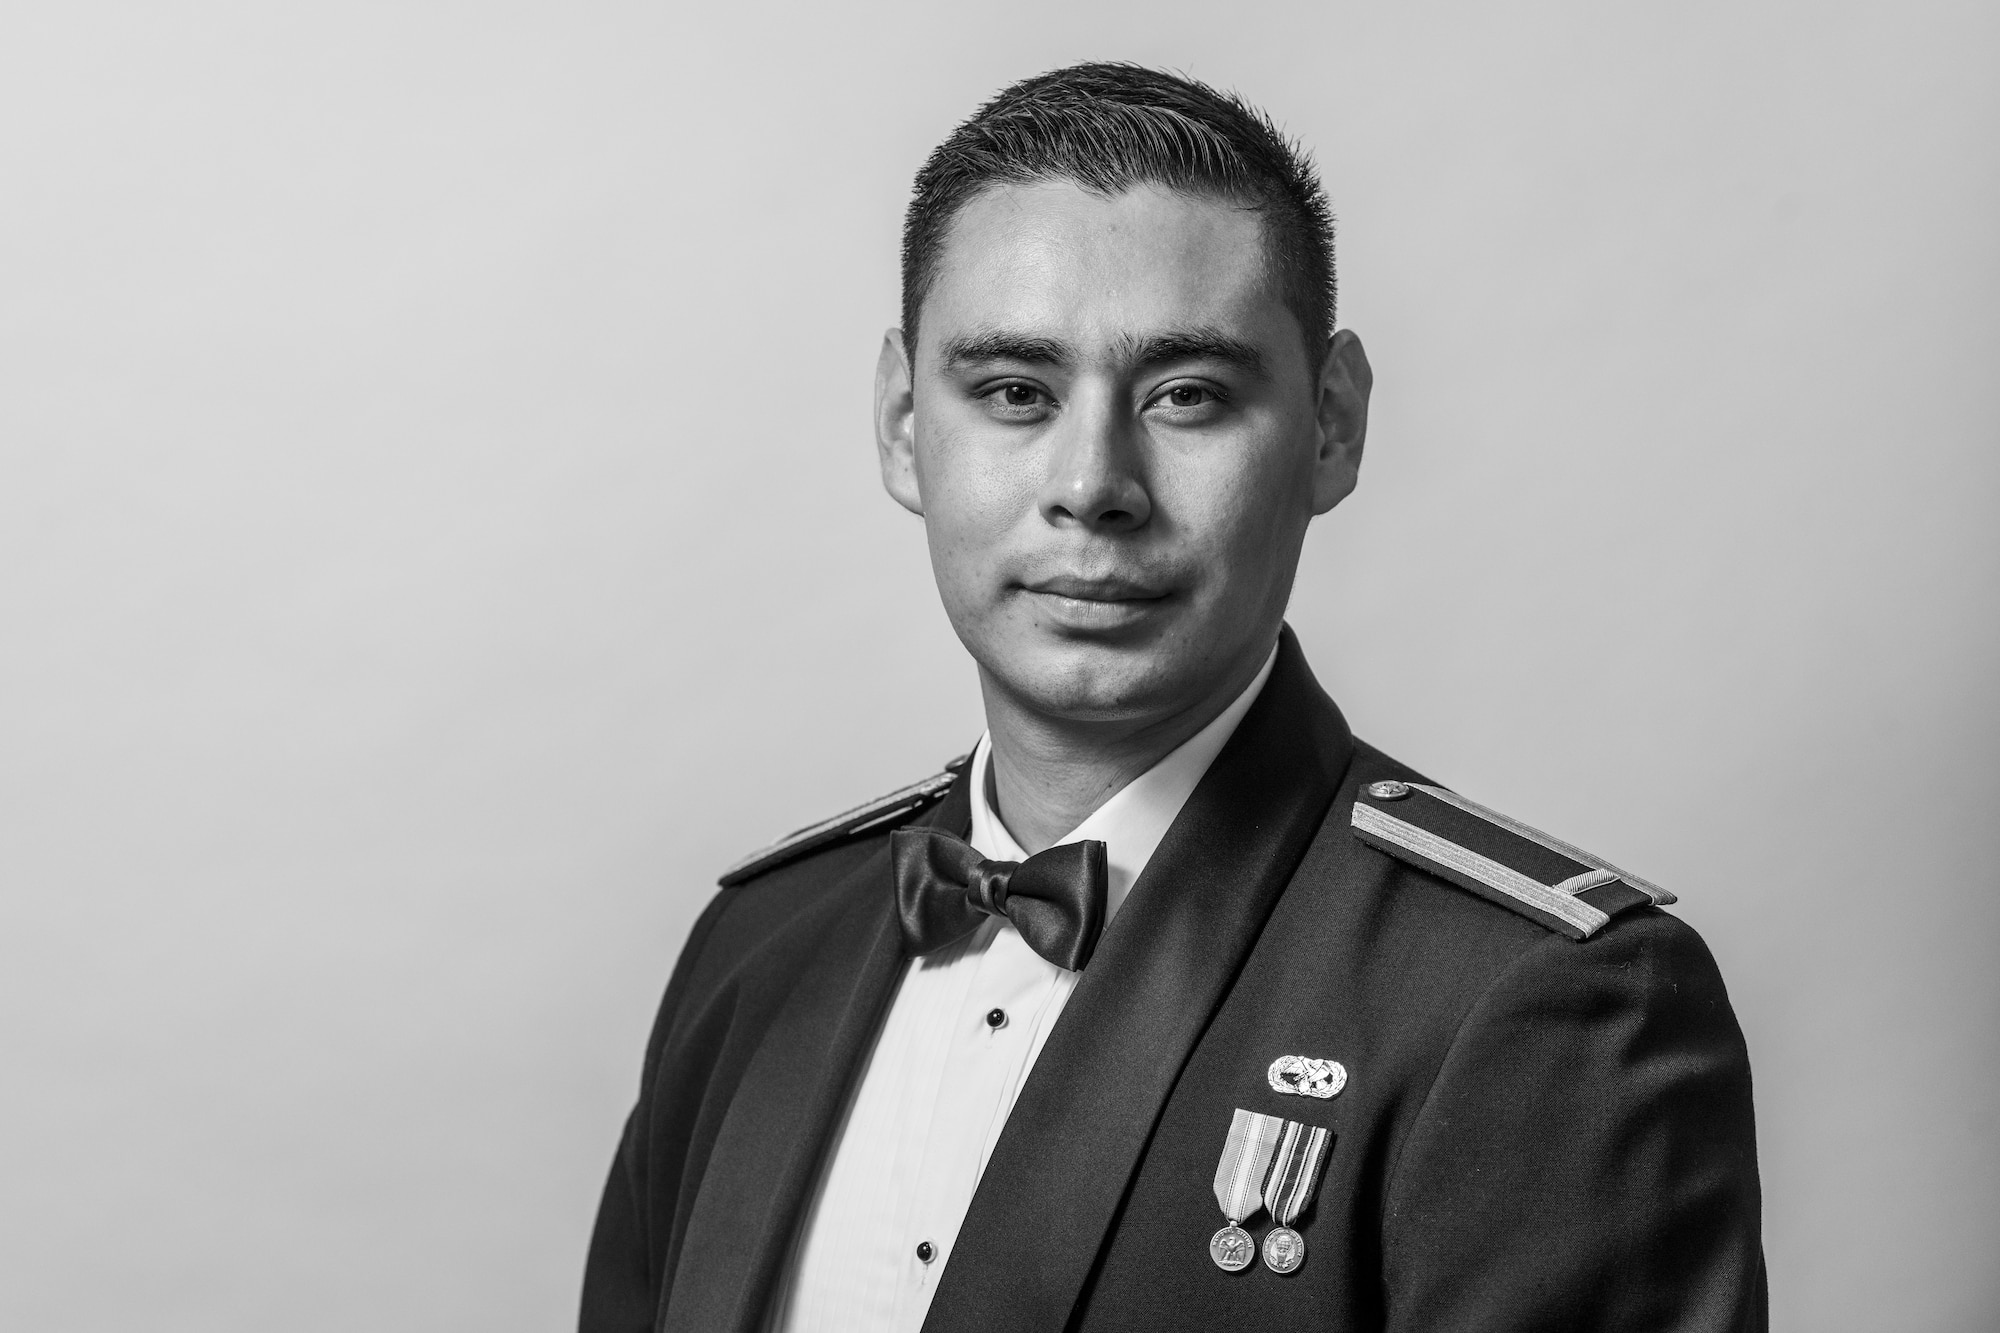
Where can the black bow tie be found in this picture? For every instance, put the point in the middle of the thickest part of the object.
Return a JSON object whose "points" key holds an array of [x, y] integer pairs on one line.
{"points": [[944, 889]]}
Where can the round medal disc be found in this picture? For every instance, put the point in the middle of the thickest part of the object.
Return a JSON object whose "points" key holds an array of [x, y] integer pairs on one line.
{"points": [[1284, 1250], [1232, 1249]]}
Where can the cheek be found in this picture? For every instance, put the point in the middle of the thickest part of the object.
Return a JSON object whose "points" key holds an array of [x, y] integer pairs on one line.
{"points": [[1244, 506], [973, 498], [983, 474]]}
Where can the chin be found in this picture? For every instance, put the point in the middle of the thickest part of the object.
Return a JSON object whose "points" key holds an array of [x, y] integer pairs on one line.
{"points": [[1086, 680]]}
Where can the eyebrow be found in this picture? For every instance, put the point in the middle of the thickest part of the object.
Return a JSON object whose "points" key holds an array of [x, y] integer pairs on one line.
{"points": [[1201, 343], [1196, 344], [974, 348]]}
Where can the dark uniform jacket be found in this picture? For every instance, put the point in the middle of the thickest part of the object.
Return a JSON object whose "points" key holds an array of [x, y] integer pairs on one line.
{"points": [[1537, 1132]]}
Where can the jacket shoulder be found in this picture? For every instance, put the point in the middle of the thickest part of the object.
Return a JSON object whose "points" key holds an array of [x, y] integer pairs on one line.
{"points": [[885, 811], [1529, 872]]}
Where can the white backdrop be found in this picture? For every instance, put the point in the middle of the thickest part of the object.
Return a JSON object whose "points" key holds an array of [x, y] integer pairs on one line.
{"points": [[438, 531]]}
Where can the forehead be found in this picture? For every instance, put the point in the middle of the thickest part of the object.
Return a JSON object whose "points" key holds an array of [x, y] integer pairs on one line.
{"points": [[1063, 261]]}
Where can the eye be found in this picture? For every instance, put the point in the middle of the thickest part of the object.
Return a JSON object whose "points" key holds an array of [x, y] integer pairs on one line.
{"points": [[1189, 402], [1017, 400]]}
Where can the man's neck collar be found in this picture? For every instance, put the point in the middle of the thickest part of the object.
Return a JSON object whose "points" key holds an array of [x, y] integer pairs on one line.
{"points": [[1159, 780]]}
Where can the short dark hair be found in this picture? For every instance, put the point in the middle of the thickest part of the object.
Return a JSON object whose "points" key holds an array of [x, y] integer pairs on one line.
{"points": [[1109, 127]]}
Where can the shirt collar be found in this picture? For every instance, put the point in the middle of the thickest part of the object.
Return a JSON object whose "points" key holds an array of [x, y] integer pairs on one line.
{"points": [[1135, 819]]}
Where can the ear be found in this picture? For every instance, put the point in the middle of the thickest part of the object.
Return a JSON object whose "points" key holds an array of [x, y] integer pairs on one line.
{"points": [[1344, 382], [895, 423]]}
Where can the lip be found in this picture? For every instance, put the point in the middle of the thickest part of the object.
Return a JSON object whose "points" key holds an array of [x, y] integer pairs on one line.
{"points": [[1105, 588], [1079, 604]]}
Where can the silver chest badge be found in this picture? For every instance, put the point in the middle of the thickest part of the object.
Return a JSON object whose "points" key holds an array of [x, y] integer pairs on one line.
{"points": [[1303, 1076]]}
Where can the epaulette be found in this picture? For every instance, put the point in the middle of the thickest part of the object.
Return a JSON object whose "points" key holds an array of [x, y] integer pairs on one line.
{"points": [[1500, 859], [899, 805]]}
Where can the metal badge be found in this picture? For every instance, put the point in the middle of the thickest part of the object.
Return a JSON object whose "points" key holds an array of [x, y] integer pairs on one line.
{"points": [[1232, 1249], [1299, 1075], [1284, 1250]]}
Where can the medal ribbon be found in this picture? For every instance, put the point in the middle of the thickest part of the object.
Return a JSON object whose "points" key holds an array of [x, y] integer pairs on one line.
{"points": [[1301, 1153], [1239, 1176]]}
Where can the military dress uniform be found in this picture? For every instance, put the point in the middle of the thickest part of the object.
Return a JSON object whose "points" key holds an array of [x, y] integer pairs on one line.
{"points": [[1451, 1072]]}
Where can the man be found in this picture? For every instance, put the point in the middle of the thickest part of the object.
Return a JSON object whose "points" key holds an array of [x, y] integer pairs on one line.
{"points": [[1172, 1005]]}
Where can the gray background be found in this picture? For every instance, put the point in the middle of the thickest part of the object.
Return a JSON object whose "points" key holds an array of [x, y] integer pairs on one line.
{"points": [[438, 531]]}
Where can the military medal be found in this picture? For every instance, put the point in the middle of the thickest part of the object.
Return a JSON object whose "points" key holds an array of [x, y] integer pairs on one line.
{"points": [[1301, 1153], [1239, 1177]]}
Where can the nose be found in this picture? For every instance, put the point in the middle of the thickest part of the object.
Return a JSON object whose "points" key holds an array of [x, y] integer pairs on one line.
{"points": [[1095, 478]]}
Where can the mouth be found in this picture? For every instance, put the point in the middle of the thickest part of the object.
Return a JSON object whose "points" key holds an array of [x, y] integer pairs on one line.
{"points": [[1080, 604], [1110, 588]]}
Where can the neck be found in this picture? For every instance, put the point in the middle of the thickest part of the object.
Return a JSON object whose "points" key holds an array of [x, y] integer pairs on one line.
{"points": [[1049, 773]]}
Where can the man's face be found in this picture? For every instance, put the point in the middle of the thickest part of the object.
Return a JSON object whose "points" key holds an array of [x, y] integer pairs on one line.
{"points": [[1116, 443]]}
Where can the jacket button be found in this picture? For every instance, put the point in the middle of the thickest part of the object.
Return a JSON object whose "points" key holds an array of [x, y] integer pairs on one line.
{"points": [[924, 1252], [996, 1018]]}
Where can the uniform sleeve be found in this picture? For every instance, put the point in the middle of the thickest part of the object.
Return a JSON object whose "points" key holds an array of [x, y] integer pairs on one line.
{"points": [[1586, 1158], [619, 1292], [623, 1272]]}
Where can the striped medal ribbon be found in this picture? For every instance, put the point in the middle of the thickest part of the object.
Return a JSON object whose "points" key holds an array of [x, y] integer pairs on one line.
{"points": [[1239, 1178], [1301, 1155]]}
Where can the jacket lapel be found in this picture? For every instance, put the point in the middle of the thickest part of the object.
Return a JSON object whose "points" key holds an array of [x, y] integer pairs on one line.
{"points": [[781, 1116], [1059, 1171]]}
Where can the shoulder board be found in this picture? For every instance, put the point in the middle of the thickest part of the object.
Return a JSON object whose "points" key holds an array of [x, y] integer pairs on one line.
{"points": [[898, 805], [1500, 859]]}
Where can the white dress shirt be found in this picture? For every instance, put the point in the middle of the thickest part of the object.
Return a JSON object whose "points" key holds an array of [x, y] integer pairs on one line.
{"points": [[962, 1033]]}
